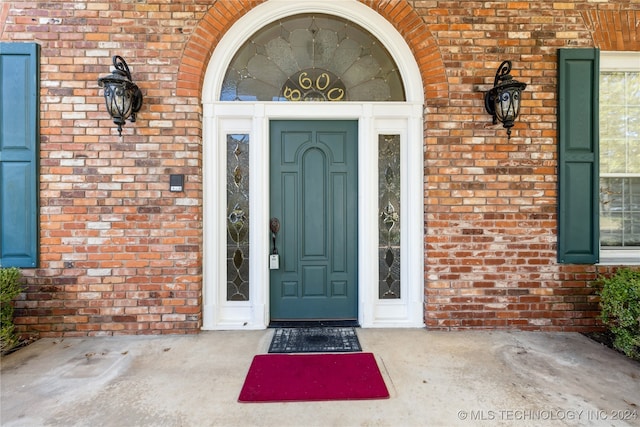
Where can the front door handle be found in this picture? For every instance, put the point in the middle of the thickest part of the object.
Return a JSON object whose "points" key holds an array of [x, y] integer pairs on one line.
{"points": [[274, 226]]}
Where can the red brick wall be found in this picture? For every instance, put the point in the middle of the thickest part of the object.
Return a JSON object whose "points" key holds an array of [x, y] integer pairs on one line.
{"points": [[119, 252], [123, 255], [490, 202]]}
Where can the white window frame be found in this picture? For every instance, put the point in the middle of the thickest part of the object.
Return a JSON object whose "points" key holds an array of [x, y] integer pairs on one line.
{"points": [[619, 61]]}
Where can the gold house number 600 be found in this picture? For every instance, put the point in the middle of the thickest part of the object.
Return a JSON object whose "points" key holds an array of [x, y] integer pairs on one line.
{"points": [[321, 83]]}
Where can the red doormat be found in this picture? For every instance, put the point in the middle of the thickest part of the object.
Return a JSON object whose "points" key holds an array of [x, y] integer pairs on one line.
{"points": [[308, 377]]}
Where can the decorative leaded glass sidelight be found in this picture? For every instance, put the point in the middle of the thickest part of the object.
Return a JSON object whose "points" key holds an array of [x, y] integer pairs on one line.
{"points": [[312, 57], [389, 218], [237, 217]]}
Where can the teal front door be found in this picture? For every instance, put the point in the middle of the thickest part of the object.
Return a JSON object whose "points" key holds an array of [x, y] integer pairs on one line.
{"points": [[313, 185]]}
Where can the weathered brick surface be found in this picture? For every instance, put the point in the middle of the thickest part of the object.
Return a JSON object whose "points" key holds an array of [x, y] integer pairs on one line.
{"points": [[120, 254]]}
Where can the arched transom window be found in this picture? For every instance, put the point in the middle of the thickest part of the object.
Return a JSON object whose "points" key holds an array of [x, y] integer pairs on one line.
{"points": [[312, 57]]}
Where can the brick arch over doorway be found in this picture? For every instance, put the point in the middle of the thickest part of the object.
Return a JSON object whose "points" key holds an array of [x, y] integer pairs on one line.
{"points": [[614, 30], [224, 13]]}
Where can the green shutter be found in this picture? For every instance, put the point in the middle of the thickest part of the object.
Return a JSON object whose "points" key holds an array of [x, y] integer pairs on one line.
{"points": [[19, 143], [578, 194]]}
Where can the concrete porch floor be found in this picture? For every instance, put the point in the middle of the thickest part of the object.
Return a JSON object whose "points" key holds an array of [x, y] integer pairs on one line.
{"points": [[434, 378]]}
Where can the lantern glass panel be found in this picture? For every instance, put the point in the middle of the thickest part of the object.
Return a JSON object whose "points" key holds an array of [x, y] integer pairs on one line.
{"points": [[507, 104], [120, 100]]}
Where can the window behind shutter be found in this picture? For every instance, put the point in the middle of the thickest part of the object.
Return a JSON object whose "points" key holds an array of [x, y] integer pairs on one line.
{"points": [[19, 142], [578, 224]]}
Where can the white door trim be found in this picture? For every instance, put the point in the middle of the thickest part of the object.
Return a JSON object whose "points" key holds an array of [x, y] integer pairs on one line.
{"points": [[223, 118]]}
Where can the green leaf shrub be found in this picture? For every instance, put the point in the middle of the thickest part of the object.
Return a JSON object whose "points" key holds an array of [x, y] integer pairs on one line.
{"points": [[620, 304], [10, 287]]}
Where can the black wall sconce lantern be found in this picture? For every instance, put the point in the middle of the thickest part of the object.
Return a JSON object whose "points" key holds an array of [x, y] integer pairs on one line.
{"points": [[503, 100], [122, 96]]}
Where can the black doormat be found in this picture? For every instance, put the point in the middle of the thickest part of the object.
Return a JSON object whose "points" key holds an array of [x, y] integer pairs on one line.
{"points": [[314, 340]]}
